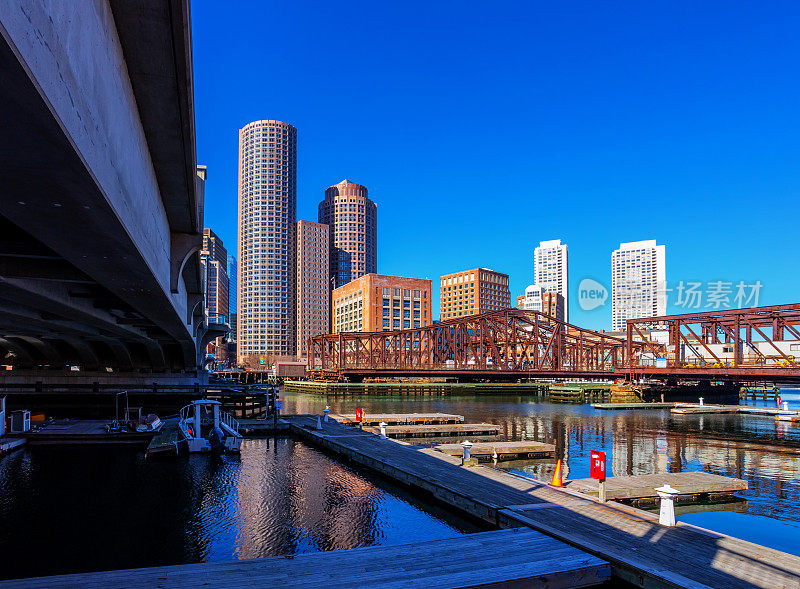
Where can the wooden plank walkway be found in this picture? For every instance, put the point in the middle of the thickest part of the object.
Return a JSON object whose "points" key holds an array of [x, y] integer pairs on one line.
{"points": [[398, 418], [695, 408], [8, 445], [512, 558], [82, 432], [523, 449], [639, 549], [688, 485], [439, 429], [623, 406]]}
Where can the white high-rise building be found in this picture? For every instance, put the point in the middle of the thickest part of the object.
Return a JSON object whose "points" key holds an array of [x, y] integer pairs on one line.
{"points": [[550, 270], [266, 313], [638, 282]]}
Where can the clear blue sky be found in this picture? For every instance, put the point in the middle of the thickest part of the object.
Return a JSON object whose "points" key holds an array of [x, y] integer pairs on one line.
{"points": [[482, 128]]}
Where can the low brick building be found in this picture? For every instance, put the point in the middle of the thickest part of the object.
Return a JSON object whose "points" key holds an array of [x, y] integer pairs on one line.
{"points": [[376, 302]]}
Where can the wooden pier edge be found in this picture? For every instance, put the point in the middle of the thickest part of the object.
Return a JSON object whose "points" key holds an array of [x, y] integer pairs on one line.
{"points": [[736, 563]]}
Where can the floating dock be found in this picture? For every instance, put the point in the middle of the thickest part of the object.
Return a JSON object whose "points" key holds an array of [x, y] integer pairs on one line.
{"points": [[517, 557], [438, 430], [626, 406], [696, 408], [83, 432], [502, 450], [691, 486], [8, 445], [641, 551], [398, 418]]}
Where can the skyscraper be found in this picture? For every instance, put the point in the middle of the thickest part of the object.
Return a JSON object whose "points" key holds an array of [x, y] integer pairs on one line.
{"points": [[638, 282], [313, 293], [550, 271], [214, 260], [353, 221], [232, 282], [266, 311]]}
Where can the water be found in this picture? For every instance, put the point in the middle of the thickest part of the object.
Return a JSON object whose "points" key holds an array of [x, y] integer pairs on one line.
{"points": [[74, 510], [758, 449]]}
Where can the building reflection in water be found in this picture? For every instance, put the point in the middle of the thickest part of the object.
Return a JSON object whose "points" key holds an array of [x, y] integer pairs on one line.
{"points": [[760, 450]]}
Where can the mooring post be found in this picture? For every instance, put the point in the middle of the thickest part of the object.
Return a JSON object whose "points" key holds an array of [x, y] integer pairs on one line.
{"points": [[701, 400], [383, 430], [465, 456], [319, 422], [785, 405], [666, 516], [327, 408]]}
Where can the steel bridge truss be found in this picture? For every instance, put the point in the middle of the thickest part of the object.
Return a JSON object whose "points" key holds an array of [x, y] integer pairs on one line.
{"points": [[755, 338], [507, 340]]}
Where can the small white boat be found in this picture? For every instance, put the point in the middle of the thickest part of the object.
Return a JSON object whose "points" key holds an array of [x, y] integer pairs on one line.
{"points": [[206, 428]]}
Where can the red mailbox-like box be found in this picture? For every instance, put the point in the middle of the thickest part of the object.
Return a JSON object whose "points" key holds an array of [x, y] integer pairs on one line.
{"points": [[597, 467], [359, 415]]}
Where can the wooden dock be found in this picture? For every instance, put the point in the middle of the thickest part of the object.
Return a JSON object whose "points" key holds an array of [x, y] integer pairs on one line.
{"points": [[510, 558], [83, 432], [438, 430], [696, 408], [691, 486], [640, 550], [626, 406], [8, 445], [502, 450], [398, 418]]}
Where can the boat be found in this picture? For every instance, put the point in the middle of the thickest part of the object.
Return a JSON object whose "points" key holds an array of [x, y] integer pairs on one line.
{"points": [[204, 427]]}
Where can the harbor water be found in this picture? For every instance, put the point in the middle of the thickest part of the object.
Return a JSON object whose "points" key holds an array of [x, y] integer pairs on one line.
{"points": [[760, 450], [66, 510], [79, 509]]}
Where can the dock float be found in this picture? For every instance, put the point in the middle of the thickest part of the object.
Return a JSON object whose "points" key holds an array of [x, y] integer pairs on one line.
{"points": [[8, 445], [438, 430], [628, 406], [640, 551], [83, 432], [691, 486], [696, 408], [502, 450], [517, 557], [398, 418]]}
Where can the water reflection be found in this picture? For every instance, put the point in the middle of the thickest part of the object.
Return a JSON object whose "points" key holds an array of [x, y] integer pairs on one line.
{"points": [[758, 449], [76, 510]]}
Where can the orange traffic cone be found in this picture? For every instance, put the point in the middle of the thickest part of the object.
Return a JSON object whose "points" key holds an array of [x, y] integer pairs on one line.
{"points": [[556, 482]]}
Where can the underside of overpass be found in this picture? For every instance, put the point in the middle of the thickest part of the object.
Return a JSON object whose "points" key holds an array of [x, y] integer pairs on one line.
{"points": [[101, 211]]}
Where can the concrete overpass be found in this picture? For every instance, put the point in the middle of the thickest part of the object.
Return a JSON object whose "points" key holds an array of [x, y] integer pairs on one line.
{"points": [[101, 211]]}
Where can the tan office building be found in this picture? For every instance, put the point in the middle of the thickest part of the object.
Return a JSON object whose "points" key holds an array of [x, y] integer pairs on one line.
{"points": [[376, 302], [267, 221], [353, 221], [473, 291], [313, 312]]}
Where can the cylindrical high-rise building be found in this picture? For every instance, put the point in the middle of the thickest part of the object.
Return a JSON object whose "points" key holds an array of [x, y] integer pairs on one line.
{"points": [[353, 222], [267, 215]]}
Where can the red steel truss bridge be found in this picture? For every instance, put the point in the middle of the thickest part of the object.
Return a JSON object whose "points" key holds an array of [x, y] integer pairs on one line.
{"points": [[748, 345]]}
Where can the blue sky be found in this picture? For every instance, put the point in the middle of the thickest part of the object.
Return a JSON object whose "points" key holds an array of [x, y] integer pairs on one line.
{"points": [[481, 129]]}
